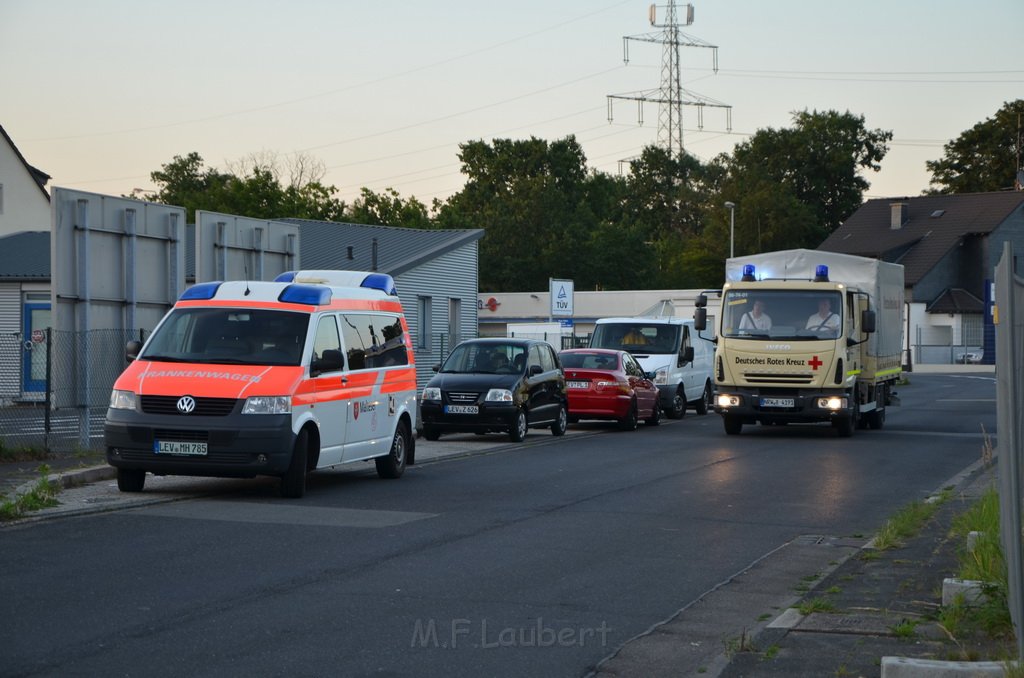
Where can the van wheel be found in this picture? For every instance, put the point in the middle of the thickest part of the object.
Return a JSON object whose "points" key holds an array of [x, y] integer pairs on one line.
{"points": [[678, 408], [655, 417], [431, 432], [704, 404], [131, 479], [293, 482], [733, 424], [628, 423], [561, 422], [392, 465], [517, 431]]}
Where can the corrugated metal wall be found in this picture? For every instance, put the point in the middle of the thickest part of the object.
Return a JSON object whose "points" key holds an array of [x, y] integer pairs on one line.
{"points": [[452, 275]]}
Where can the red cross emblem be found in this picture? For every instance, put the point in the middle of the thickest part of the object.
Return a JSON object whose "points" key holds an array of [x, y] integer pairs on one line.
{"points": [[815, 363]]}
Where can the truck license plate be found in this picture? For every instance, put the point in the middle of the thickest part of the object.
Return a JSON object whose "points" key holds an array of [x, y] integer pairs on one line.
{"points": [[461, 409], [174, 447], [777, 402]]}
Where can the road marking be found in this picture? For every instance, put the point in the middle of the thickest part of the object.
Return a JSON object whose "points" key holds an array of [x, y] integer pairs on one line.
{"points": [[966, 400], [281, 513]]}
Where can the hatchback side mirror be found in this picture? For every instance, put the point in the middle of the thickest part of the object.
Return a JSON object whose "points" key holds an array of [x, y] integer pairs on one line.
{"points": [[534, 370]]}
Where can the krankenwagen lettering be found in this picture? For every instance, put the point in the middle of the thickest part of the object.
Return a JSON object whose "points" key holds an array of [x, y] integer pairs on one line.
{"points": [[201, 374]]}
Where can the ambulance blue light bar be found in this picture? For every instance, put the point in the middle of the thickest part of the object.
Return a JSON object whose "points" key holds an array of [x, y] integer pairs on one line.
{"points": [[748, 273], [382, 282], [287, 276], [311, 295], [821, 273], [201, 291]]}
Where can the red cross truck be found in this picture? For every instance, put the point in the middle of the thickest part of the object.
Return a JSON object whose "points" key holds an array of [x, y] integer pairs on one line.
{"points": [[807, 336]]}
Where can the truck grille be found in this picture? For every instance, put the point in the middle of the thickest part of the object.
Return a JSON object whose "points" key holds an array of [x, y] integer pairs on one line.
{"points": [[761, 378]]}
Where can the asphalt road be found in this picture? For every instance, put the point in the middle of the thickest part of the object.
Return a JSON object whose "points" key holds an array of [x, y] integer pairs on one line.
{"points": [[538, 560]]}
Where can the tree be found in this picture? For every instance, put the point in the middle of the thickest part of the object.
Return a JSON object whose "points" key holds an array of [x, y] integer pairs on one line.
{"points": [[389, 209], [258, 193], [818, 161], [984, 158]]}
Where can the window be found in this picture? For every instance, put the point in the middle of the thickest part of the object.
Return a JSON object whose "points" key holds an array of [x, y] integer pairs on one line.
{"points": [[327, 338], [454, 316], [423, 311], [373, 341]]}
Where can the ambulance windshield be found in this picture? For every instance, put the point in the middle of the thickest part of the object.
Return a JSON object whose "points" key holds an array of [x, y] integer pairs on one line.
{"points": [[793, 315], [229, 336]]}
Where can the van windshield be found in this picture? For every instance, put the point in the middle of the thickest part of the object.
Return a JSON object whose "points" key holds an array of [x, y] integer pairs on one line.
{"points": [[797, 315], [637, 337], [229, 336]]}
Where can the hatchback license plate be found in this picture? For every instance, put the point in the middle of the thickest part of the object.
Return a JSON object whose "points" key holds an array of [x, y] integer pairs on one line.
{"points": [[462, 409], [777, 402], [577, 384], [174, 447]]}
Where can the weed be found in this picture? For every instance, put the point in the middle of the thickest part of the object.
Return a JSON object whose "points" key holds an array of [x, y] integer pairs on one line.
{"points": [[41, 495], [771, 652], [816, 605], [764, 617], [841, 671], [869, 554], [742, 644], [22, 453], [833, 590], [908, 521], [904, 629]]}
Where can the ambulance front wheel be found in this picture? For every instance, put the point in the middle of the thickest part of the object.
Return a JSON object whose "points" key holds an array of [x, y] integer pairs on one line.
{"points": [[392, 465], [131, 479], [293, 482]]}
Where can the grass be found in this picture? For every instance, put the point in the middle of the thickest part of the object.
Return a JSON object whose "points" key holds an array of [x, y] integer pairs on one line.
{"points": [[22, 453], [908, 521], [815, 605], [904, 629], [42, 495]]}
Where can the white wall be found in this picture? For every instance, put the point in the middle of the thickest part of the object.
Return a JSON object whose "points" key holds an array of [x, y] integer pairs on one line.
{"points": [[23, 206]]}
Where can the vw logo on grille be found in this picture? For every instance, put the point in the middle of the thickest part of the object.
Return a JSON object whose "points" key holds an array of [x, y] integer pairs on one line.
{"points": [[186, 404]]}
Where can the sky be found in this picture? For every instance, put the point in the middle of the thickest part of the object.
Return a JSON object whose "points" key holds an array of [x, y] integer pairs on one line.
{"points": [[100, 94]]}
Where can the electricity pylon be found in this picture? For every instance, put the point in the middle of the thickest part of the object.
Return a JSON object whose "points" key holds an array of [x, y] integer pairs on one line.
{"points": [[671, 96]]}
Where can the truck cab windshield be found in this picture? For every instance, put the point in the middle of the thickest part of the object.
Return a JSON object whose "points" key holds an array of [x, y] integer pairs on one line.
{"points": [[793, 315]]}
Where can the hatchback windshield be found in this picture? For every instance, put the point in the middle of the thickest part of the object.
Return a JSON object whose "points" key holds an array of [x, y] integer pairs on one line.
{"points": [[229, 336], [487, 358], [782, 314]]}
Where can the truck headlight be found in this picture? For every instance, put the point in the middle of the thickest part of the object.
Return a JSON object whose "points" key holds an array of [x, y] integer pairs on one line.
{"points": [[431, 393], [726, 400], [267, 405], [832, 403], [661, 376], [122, 400], [499, 395]]}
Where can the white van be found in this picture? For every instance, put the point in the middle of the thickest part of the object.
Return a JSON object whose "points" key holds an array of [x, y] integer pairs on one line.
{"points": [[670, 349], [246, 378]]}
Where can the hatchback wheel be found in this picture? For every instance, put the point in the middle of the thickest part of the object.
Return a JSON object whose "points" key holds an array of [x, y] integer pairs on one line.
{"points": [[561, 422], [517, 431], [655, 417]]}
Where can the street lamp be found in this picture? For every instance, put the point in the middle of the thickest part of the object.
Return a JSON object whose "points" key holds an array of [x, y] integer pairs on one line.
{"points": [[732, 227]]}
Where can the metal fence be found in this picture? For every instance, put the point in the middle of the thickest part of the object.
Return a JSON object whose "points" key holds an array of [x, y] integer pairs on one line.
{"points": [[55, 387]]}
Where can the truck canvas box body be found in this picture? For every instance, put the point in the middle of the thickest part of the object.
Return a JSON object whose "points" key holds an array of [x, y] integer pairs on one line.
{"points": [[246, 378], [808, 336]]}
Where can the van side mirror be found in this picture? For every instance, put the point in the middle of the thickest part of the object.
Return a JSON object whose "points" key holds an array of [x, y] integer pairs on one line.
{"points": [[131, 349], [867, 321], [330, 361], [686, 355], [700, 318]]}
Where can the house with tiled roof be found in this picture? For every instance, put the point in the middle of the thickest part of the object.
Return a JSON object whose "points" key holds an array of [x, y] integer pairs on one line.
{"points": [[949, 246]]}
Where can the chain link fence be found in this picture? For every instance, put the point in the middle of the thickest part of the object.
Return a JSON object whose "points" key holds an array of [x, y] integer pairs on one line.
{"points": [[55, 387]]}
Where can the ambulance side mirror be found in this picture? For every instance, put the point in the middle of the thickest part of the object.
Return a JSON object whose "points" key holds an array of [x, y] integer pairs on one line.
{"points": [[131, 350]]}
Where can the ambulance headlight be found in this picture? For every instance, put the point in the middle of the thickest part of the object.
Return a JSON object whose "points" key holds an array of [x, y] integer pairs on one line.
{"points": [[122, 400], [727, 400], [431, 393], [499, 395], [267, 405], [832, 403]]}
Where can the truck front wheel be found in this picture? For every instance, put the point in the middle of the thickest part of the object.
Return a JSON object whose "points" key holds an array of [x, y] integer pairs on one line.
{"points": [[733, 424]]}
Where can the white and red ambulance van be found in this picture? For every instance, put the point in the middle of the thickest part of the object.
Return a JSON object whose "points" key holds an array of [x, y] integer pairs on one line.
{"points": [[246, 378]]}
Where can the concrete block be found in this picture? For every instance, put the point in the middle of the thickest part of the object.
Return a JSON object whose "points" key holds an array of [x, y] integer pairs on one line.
{"points": [[903, 667], [971, 590]]}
